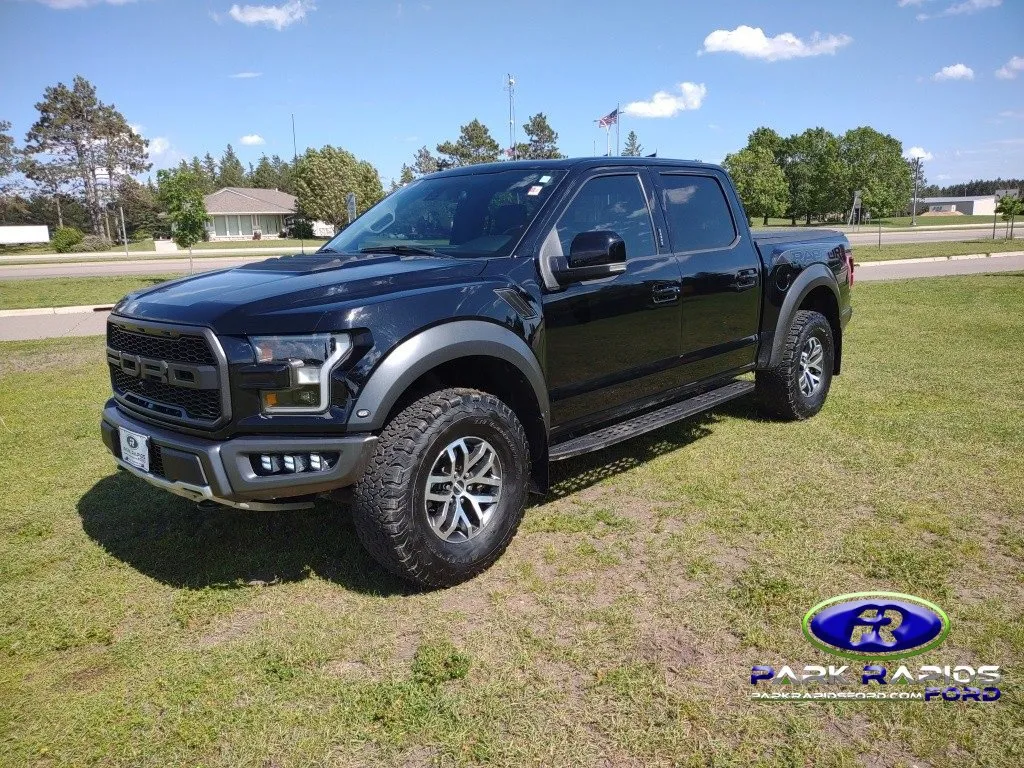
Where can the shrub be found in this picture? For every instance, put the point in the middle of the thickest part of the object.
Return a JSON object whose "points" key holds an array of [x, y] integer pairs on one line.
{"points": [[65, 239], [302, 228], [93, 243]]}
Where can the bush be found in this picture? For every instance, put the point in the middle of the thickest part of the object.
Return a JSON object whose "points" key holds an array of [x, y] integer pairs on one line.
{"points": [[302, 228], [65, 239], [93, 243]]}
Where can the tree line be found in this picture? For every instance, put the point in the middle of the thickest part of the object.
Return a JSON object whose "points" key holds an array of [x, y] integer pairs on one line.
{"points": [[814, 174]]}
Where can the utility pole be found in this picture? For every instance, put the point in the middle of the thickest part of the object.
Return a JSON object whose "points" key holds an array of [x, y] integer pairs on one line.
{"points": [[124, 231], [295, 163], [512, 116], [915, 165]]}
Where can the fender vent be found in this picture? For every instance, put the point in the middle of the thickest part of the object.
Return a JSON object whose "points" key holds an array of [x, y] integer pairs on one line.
{"points": [[517, 302]]}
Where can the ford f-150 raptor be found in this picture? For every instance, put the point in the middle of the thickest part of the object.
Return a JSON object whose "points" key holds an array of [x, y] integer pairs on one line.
{"points": [[471, 328]]}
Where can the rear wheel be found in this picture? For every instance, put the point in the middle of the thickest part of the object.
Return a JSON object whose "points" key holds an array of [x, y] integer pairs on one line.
{"points": [[797, 387], [446, 489]]}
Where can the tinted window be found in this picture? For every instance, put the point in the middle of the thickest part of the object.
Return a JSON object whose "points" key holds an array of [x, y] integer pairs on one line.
{"points": [[698, 213], [614, 203], [480, 214]]}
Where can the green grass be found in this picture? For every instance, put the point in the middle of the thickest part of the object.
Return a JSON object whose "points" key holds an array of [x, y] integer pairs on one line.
{"points": [[618, 629], [283, 244], [890, 251], [22, 250], [72, 291]]}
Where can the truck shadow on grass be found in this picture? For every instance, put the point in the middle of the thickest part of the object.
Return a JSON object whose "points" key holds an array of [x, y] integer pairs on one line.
{"points": [[175, 542], [172, 540]]}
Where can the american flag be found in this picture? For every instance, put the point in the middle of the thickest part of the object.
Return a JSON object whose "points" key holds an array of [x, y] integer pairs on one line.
{"points": [[610, 119]]}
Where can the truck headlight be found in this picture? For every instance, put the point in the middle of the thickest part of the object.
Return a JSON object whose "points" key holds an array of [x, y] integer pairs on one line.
{"points": [[298, 370]]}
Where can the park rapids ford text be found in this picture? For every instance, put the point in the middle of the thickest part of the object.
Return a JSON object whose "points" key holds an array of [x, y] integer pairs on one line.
{"points": [[469, 329]]}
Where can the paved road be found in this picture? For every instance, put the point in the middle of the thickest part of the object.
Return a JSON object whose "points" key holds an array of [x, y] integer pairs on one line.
{"points": [[866, 235], [883, 271], [93, 323]]}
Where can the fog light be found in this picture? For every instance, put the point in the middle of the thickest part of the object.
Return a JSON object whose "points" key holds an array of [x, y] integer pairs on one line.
{"points": [[264, 464]]}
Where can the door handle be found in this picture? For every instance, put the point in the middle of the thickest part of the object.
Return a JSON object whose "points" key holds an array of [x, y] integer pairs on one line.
{"points": [[666, 293], [746, 278]]}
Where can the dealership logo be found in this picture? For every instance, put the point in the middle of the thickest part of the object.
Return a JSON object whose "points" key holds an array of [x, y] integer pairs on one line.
{"points": [[133, 443], [876, 628], [876, 624]]}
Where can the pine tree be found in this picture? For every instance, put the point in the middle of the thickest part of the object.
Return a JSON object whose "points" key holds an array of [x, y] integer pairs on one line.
{"points": [[542, 140], [232, 172], [633, 147], [474, 145]]}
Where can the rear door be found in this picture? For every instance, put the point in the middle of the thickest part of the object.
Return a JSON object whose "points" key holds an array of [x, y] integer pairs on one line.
{"points": [[720, 269], [613, 340]]}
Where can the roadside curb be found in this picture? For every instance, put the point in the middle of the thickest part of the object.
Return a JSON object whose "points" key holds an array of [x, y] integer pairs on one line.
{"points": [[931, 259], [56, 310]]}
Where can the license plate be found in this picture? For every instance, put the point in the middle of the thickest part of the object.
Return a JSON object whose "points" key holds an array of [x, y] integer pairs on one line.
{"points": [[135, 449]]}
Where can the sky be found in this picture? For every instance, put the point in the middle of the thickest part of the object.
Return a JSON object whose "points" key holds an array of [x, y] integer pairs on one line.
{"points": [[382, 78]]}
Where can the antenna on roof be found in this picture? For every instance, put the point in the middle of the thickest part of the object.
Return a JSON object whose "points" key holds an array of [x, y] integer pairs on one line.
{"points": [[511, 88], [295, 163]]}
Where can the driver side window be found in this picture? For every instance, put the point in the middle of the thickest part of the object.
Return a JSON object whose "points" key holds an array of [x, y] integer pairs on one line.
{"points": [[615, 203]]}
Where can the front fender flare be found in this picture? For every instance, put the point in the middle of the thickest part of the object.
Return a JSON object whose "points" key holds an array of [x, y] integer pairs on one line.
{"points": [[441, 344], [810, 278]]}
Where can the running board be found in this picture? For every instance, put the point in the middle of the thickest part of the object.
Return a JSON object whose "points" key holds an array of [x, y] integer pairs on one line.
{"points": [[648, 422]]}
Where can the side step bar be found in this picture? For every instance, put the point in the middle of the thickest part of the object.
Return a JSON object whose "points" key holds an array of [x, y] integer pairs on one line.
{"points": [[648, 422]]}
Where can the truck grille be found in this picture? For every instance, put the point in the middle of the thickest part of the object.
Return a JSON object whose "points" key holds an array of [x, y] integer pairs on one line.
{"points": [[169, 373]]}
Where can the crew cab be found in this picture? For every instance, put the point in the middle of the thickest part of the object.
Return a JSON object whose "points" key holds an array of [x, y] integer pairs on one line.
{"points": [[474, 326]]}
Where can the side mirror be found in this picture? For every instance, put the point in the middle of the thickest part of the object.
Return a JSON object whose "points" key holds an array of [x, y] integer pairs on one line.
{"points": [[594, 255]]}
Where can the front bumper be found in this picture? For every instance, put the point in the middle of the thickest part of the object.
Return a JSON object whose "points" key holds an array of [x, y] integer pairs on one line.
{"points": [[221, 471]]}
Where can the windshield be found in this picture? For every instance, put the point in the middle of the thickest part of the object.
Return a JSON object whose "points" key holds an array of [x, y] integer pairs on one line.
{"points": [[482, 214]]}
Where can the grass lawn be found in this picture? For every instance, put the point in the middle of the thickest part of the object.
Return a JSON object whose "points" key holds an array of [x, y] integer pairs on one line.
{"points": [[72, 291], [21, 250], [890, 251], [286, 244], [618, 630]]}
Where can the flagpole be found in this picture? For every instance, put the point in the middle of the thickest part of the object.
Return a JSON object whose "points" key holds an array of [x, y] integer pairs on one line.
{"points": [[618, 118], [608, 140]]}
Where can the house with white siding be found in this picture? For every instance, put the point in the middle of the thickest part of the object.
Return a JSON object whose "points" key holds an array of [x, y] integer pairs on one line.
{"points": [[237, 213]]}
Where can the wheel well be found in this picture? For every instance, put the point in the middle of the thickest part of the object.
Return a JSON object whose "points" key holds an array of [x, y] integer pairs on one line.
{"points": [[501, 379], [823, 300]]}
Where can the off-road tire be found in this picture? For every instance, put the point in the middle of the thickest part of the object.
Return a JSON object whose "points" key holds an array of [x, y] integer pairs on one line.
{"points": [[388, 501], [778, 388]]}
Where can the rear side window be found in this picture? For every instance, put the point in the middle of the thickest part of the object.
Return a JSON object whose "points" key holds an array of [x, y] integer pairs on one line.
{"points": [[698, 213]]}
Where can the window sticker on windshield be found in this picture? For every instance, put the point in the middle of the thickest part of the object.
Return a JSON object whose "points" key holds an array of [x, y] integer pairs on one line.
{"points": [[544, 179], [535, 190]]}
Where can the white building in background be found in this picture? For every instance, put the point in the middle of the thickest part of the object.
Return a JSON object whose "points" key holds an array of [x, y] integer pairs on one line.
{"points": [[982, 205], [236, 213]]}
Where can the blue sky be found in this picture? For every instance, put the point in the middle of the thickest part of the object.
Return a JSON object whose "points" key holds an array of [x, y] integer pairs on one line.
{"points": [[381, 78]]}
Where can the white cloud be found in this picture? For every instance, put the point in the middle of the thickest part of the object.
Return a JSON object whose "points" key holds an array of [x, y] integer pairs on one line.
{"points": [[1011, 69], [754, 44], [158, 145], [63, 5], [1012, 114], [905, 3], [918, 153], [276, 16], [252, 140], [665, 104], [958, 9], [245, 75], [954, 72]]}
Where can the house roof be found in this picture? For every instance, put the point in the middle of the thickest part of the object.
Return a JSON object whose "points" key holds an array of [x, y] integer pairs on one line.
{"points": [[956, 199], [249, 200]]}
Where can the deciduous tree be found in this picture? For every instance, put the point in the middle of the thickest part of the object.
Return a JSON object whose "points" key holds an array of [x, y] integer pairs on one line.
{"points": [[474, 145], [8, 154], [759, 181], [874, 164], [181, 195], [323, 179]]}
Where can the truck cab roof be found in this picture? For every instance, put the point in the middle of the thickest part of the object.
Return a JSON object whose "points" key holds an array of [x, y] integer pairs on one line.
{"points": [[571, 163]]}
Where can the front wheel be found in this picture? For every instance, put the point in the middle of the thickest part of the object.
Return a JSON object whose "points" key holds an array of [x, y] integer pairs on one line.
{"points": [[797, 387], [446, 489]]}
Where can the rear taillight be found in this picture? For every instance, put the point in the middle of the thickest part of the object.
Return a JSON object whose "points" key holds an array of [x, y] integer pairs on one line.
{"points": [[849, 267]]}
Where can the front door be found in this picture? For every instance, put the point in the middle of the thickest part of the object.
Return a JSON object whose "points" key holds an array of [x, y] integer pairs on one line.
{"points": [[721, 273], [613, 340]]}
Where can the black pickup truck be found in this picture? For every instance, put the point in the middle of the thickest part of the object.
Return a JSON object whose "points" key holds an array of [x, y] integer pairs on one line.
{"points": [[472, 327]]}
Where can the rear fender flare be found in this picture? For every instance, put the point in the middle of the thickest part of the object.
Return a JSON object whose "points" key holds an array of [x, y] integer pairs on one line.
{"points": [[430, 348], [810, 278]]}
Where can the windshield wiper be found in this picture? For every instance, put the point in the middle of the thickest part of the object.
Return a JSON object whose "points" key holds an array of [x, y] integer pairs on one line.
{"points": [[402, 249]]}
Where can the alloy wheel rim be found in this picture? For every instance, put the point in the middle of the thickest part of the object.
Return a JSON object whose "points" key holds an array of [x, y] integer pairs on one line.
{"points": [[463, 489], [812, 366]]}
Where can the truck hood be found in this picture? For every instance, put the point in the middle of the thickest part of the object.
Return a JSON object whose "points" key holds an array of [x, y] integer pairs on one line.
{"points": [[292, 294]]}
